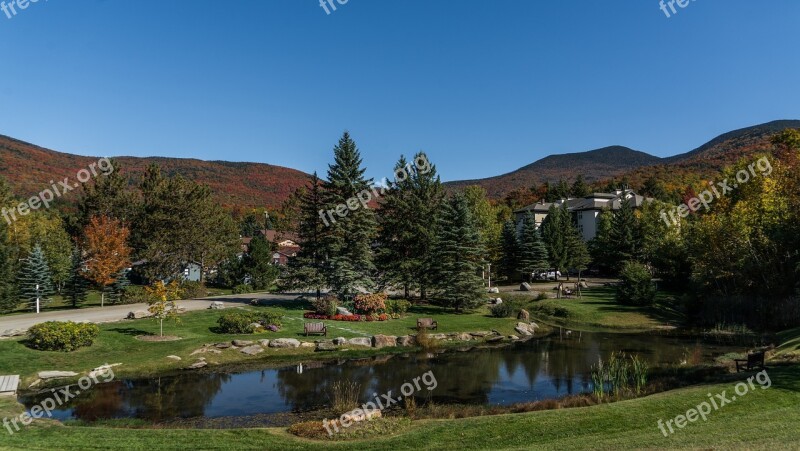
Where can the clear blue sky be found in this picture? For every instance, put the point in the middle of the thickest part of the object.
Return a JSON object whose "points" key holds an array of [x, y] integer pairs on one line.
{"points": [[483, 86]]}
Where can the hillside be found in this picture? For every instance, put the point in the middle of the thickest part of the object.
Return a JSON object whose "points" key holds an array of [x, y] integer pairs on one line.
{"points": [[617, 162], [29, 169]]}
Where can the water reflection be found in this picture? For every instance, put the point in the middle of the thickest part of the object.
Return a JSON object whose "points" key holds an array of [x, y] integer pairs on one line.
{"points": [[535, 370]]}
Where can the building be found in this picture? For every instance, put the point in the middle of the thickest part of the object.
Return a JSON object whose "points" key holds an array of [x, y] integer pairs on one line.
{"points": [[585, 210], [286, 244]]}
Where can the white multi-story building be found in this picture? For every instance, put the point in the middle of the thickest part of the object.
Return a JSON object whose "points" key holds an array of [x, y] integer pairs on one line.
{"points": [[585, 210]]}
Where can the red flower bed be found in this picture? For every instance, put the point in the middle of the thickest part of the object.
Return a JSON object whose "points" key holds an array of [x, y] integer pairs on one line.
{"points": [[313, 315]]}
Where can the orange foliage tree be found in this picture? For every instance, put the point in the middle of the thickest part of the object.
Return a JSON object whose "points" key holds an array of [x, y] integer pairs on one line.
{"points": [[107, 251]]}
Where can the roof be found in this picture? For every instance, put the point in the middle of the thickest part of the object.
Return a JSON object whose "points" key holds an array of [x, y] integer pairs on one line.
{"points": [[594, 201]]}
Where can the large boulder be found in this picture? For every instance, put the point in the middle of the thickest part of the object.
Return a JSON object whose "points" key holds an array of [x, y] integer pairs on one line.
{"points": [[264, 342], [480, 334], [242, 343], [56, 374], [13, 333], [406, 340], [138, 314], [525, 286], [252, 350], [494, 290], [284, 343], [526, 329], [197, 365], [324, 346], [524, 315], [384, 341], [360, 341], [343, 311], [306, 344], [339, 341], [463, 337], [216, 305]]}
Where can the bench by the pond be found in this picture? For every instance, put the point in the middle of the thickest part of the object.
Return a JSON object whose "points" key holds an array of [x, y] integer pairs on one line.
{"points": [[754, 361], [427, 323], [315, 329], [8, 385]]}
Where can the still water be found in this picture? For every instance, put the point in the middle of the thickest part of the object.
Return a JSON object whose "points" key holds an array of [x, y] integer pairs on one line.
{"points": [[531, 371]]}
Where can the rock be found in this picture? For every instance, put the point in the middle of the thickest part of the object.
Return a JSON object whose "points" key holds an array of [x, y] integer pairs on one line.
{"points": [[480, 334], [252, 350], [56, 374], [513, 337], [464, 337], [264, 342], [584, 284], [343, 311], [174, 357], [256, 326], [197, 365], [494, 290], [284, 343], [242, 343], [323, 346], [223, 345], [524, 315], [216, 305], [494, 339], [525, 286], [496, 301], [206, 350], [439, 336], [138, 314], [406, 340], [339, 341], [13, 333], [384, 341], [102, 370], [360, 341], [524, 329], [305, 344], [35, 383]]}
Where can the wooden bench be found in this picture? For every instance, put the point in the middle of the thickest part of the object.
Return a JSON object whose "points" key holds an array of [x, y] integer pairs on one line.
{"points": [[754, 361], [315, 329], [427, 323]]}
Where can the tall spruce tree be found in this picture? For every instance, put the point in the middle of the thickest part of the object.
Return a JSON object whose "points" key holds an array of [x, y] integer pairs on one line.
{"points": [[305, 271], [76, 287], [625, 236], [117, 289], [554, 229], [35, 280], [353, 227], [579, 187], [533, 252], [257, 263], [459, 257], [408, 225], [510, 249], [8, 299]]}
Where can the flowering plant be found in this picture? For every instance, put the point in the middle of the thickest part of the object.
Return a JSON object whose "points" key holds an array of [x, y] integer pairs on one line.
{"points": [[370, 303]]}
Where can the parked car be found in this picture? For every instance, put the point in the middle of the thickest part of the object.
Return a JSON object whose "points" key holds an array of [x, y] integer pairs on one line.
{"points": [[549, 275]]}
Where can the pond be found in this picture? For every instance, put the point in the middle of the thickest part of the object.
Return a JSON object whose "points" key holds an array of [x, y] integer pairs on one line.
{"points": [[535, 370]]}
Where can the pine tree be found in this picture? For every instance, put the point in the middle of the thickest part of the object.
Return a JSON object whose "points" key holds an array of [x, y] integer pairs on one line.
{"points": [[577, 250], [580, 188], [554, 230], [625, 235], [305, 270], [601, 247], [8, 299], [257, 263], [76, 286], [353, 227], [533, 252], [35, 280], [458, 259], [509, 245], [117, 289]]}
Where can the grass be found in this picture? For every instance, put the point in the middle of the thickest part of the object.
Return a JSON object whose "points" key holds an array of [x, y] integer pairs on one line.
{"points": [[117, 342], [598, 311]]}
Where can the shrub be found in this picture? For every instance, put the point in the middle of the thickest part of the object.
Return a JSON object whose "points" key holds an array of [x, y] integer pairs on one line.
{"points": [[242, 289], [193, 290], [237, 323], [370, 303], [60, 336], [134, 294], [541, 296], [503, 310], [325, 305], [397, 307], [636, 286]]}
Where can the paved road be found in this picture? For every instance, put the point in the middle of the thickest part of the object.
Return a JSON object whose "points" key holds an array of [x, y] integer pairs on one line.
{"points": [[116, 313]]}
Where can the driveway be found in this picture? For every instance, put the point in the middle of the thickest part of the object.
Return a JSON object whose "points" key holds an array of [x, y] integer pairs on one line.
{"points": [[116, 313]]}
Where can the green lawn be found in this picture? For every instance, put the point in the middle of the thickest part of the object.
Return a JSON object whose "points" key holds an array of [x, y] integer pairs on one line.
{"points": [[597, 310], [117, 342]]}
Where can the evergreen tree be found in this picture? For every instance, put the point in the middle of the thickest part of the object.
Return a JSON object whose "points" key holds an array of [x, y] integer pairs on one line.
{"points": [[353, 228], [601, 247], [106, 195], [577, 250], [257, 263], [580, 188], [251, 225], [533, 252], [305, 271], [458, 257], [625, 236], [76, 286], [117, 289], [8, 299], [554, 229], [35, 280], [509, 244], [408, 224]]}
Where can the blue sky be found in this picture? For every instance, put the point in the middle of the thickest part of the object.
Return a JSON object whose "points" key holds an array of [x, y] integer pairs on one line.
{"points": [[483, 86]]}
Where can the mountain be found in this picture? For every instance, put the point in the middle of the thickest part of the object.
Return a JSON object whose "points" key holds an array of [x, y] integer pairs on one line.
{"points": [[616, 162], [593, 165], [29, 169]]}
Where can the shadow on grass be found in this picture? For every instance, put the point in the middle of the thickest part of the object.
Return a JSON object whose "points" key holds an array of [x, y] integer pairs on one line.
{"points": [[131, 331]]}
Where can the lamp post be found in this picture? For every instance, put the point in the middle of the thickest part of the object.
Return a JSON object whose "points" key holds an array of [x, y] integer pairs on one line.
{"points": [[490, 275], [37, 298]]}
